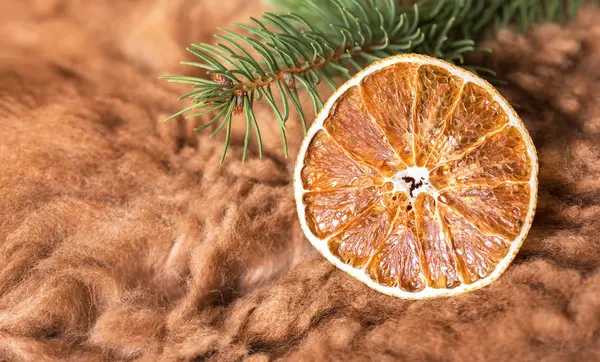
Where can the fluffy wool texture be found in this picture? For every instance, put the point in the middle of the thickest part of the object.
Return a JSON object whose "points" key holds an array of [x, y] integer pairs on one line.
{"points": [[122, 238]]}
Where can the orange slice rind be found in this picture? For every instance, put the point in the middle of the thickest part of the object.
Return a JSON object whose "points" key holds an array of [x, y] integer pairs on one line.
{"points": [[417, 178]]}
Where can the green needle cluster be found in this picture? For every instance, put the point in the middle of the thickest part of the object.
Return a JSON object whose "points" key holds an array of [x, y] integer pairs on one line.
{"points": [[315, 41]]}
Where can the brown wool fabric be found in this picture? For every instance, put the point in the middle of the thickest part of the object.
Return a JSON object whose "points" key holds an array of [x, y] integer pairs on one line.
{"points": [[122, 238]]}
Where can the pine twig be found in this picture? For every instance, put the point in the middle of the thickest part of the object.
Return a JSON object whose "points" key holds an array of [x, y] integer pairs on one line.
{"points": [[323, 40]]}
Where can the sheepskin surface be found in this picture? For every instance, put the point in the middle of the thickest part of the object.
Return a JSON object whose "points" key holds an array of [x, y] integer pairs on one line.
{"points": [[122, 238]]}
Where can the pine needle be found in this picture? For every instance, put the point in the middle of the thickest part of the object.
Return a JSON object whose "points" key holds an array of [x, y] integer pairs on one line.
{"points": [[312, 41]]}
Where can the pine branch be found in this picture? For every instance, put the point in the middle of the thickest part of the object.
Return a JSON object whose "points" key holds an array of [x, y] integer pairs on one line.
{"points": [[324, 40]]}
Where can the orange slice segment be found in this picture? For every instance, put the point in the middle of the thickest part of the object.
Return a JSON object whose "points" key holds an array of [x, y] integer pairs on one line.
{"points": [[439, 256], [477, 253], [391, 104], [352, 129], [357, 243], [329, 211], [418, 179], [438, 95], [398, 261], [501, 156], [328, 166], [476, 115], [500, 210]]}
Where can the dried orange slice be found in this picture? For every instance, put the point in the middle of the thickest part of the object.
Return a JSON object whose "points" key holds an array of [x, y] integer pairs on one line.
{"points": [[418, 179]]}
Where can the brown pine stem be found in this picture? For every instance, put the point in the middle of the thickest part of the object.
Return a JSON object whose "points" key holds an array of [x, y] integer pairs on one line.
{"points": [[287, 74]]}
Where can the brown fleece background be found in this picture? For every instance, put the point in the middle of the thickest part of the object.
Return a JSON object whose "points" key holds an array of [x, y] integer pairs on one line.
{"points": [[121, 237]]}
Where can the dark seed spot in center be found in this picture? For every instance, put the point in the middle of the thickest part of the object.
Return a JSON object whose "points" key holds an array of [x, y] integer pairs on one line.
{"points": [[413, 183]]}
